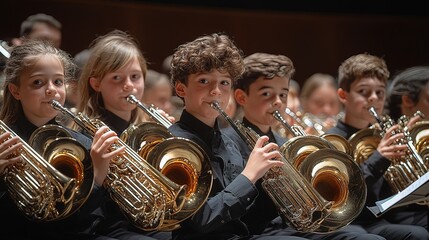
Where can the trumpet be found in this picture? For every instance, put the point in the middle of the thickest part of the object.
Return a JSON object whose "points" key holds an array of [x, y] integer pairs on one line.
{"points": [[296, 200], [140, 190], [179, 159]]}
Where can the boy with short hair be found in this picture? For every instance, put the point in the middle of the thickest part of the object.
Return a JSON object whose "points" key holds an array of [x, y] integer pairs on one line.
{"points": [[261, 90], [202, 72], [362, 84]]}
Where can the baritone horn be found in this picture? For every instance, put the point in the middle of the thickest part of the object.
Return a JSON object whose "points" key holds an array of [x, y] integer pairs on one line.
{"points": [[330, 170], [296, 200], [179, 159], [53, 186], [143, 194]]}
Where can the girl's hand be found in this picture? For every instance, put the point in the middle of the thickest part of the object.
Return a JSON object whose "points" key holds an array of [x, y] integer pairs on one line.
{"points": [[261, 159], [101, 153], [8, 149]]}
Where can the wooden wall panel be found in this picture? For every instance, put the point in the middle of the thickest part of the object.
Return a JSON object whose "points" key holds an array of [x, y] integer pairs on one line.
{"points": [[316, 42]]}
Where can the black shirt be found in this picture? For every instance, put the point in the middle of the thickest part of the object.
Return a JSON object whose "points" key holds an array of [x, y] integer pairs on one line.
{"points": [[264, 210], [232, 194]]}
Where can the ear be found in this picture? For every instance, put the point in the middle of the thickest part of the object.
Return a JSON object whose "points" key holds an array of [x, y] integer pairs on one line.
{"points": [[407, 101], [95, 84], [180, 89], [14, 90], [240, 96], [342, 95]]}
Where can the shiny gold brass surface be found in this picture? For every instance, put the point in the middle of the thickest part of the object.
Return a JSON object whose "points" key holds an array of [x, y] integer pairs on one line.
{"points": [[336, 176], [330, 169], [364, 142], [419, 134], [295, 198], [38, 185], [141, 191], [179, 159], [404, 170]]}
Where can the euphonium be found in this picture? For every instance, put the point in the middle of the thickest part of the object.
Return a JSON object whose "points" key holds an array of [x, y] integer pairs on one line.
{"points": [[330, 170], [405, 170], [296, 200], [53, 187], [179, 159], [141, 191]]}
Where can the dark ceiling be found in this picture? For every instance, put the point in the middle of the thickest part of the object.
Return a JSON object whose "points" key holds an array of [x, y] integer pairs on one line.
{"points": [[410, 7]]}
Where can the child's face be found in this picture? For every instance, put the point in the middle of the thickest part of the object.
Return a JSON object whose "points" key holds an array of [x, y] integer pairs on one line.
{"points": [[116, 86], [363, 94], [323, 102], [160, 96], [264, 97], [39, 84], [201, 90]]}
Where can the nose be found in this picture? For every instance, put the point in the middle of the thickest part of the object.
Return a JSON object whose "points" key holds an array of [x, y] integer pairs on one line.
{"points": [[277, 101], [215, 90], [373, 97], [128, 84], [50, 90]]}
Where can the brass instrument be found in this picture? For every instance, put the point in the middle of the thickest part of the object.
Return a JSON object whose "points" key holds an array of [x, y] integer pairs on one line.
{"points": [[53, 187], [405, 170], [419, 133], [179, 159], [317, 124], [331, 172], [150, 111], [296, 200], [317, 129], [141, 191]]}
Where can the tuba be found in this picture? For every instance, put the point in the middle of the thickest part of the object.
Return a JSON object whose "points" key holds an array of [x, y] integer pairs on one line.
{"points": [[179, 159], [296, 200], [143, 194], [51, 187], [326, 163]]}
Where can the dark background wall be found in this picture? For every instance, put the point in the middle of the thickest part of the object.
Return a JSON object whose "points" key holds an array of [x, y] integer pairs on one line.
{"points": [[316, 36]]}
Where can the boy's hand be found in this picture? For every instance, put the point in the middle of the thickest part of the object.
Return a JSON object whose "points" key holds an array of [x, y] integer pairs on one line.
{"points": [[388, 147], [261, 159]]}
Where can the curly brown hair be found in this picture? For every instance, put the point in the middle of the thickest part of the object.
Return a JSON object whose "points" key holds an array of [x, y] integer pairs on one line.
{"points": [[204, 54]]}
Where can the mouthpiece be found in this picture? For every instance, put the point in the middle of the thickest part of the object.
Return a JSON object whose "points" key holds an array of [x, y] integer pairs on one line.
{"points": [[374, 114], [132, 99], [55, 104], [215, 105]]}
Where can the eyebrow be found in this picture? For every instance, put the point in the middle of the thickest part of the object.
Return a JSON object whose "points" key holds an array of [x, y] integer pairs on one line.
{"points": [[267, 87]]}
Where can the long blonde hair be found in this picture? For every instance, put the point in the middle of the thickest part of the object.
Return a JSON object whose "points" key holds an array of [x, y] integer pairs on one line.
{"points": [[108, 53]]}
